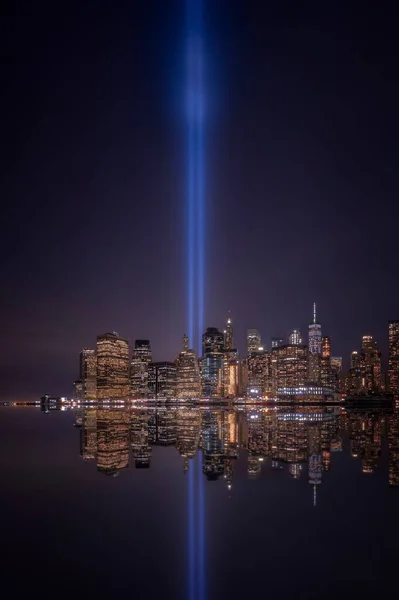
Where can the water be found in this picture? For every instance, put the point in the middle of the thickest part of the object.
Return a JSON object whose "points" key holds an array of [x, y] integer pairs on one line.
{"points": [[197, 504]]}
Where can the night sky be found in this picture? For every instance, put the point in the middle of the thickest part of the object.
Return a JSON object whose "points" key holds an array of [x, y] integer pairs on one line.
{"points": [[302, 133]]}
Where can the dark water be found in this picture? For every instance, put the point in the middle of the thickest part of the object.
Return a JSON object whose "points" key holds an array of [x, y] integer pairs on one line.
{"points": [[198, 504]]}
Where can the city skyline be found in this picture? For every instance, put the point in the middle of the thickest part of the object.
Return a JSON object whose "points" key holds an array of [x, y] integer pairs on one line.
{"points": [[288, 370]]}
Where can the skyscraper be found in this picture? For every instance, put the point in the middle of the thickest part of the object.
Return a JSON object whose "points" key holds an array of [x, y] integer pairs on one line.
{"points": [[315, 338], [231, 374], [325, 362], [88, 373], [393, 358], [228, 335], [336, 371], [315, 349], [112, 366], [162, 380], [254, 341], [212, 362], [292, 365], [142, 356], [370, 365], [260, 373], [276, 342], [188, 384], [295, 338]]}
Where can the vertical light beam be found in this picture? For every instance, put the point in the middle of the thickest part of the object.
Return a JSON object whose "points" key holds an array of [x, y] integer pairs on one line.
{"points": [[195, 173]]}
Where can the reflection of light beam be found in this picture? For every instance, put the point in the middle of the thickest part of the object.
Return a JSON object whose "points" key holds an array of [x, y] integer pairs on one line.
{"points": [[201, 531], [191, 536]]}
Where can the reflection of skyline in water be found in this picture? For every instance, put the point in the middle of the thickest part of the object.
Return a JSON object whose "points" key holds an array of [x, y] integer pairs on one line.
{"points": [[301, 442]]}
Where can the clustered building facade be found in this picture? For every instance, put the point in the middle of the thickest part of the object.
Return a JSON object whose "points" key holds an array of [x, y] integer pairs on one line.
{"points": [[286, 369]]}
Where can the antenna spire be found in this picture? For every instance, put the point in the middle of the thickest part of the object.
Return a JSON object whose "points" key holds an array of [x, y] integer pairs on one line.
{"points": [[314, 312]]}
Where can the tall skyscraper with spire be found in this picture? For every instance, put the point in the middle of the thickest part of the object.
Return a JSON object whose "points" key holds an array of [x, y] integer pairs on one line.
{"points": [[315, 348], [228, 335]]}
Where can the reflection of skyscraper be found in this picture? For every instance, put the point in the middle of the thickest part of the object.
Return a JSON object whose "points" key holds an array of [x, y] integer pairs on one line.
{"points": [[88, 440], [112, 366], [254, 341], [142, 356], [188, 432], [315, 458], [393, 358], [212, 444], [141, 449], [112, 441], [88, 373], [393, 444], [188, 383]]}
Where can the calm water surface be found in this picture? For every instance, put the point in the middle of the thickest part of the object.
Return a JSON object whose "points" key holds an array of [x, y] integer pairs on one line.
{"points": [[200, 504]]}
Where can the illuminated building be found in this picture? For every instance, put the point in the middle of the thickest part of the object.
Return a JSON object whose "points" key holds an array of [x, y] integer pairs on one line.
{"points": [[231, 369], [276, 342], [242, 376], [254, 341], [212, 341], [142, 356], [212, 363], [325, 362], [228, 336], [336, 370], [295, 338], [315, 349], [259, 373], [315, 339], [88, 373], [355, 360], [188, 384], [393, 358], [307, 393], [292, 365], [112, 441], [370, 365], [162, 380], [112, 366]]}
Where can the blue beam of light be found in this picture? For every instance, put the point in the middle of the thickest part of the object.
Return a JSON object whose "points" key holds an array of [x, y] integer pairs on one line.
{"points": [[195, 172]]}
